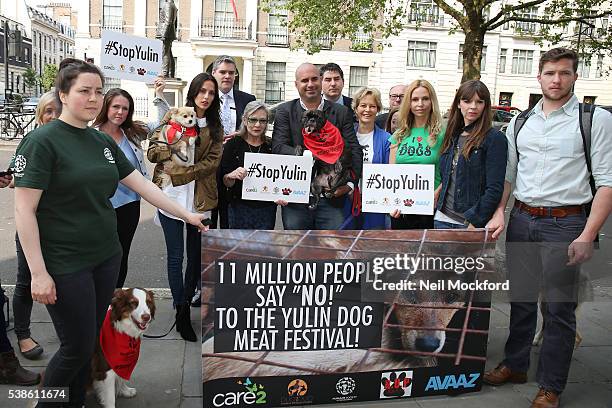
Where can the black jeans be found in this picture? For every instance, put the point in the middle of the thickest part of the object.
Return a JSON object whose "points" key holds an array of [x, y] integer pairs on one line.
{"points": [[128, 216], [82, 300], [5, 344], [22, 299], [536, 253]]}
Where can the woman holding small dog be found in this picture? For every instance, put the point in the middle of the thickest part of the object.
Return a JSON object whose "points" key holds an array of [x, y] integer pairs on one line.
{"points": [[115, 119], [65, 173], [193, 187], [46, 110], [374, 141], [472, 162], [251, 138], [417, 140]]}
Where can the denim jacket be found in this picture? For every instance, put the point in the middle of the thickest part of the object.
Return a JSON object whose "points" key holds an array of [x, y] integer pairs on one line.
{"points": [[480, 179]]}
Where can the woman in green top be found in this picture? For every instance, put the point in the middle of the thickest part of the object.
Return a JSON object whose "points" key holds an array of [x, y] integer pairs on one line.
{"points": [[417, 140], [65, 174]]}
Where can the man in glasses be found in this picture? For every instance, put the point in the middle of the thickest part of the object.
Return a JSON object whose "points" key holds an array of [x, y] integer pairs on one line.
{"points": [[287, 134], [233, 102], [396, 96]]}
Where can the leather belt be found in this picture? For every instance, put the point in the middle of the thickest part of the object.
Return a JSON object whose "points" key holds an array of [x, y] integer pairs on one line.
{"points": [[549, 211]]}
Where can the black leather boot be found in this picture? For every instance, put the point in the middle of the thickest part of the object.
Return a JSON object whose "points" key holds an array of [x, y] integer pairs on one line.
{"points": [[183, 321], [11, 372]]}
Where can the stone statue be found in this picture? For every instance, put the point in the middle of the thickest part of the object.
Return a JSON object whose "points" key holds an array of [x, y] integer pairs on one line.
{"points": [[166, 31]]}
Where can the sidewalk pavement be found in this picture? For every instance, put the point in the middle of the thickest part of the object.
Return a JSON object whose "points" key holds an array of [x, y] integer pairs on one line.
{"points": [[168, 374]]}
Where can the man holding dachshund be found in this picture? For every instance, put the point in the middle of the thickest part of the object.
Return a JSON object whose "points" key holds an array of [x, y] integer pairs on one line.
{"points": [[287, 135]]}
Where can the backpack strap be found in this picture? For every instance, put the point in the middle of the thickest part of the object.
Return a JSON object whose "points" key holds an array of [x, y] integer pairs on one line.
{"points": [[518, 125], [585, 118]]}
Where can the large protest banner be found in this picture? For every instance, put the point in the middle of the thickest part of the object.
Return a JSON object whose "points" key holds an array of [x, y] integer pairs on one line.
{"points": [[318, 317], [130, 57]]}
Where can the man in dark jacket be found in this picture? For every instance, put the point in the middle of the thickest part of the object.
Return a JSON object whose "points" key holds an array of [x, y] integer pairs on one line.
{"points": [[287, 135], [333, 84]]}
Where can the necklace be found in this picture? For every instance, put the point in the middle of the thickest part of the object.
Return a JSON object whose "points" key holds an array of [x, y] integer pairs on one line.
{"points": [[258, 148]]}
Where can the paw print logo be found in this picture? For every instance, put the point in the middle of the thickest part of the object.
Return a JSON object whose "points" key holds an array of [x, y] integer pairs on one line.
{"points": [[141, 71], [408, 202], [396, 384], [286, 191]]}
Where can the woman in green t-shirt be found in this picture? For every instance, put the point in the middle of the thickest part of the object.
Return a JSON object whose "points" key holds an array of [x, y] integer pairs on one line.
{"points": [[417, 140], [65, 173]]}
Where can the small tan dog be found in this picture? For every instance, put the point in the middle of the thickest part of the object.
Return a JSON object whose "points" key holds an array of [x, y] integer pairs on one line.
{"points": [[179, 134]]}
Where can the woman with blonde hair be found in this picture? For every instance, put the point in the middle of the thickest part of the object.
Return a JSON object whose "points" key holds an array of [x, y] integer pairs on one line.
{"points": [[375, 144], [47, 109], [417, 140]]}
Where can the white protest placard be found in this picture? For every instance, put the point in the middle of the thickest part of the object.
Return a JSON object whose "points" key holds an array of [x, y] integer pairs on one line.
{"points": [[406, 187], [271, 177], [130, 57]]}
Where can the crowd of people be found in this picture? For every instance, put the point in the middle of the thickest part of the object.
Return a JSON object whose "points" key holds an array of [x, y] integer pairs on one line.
{"points": [[71, 178]]}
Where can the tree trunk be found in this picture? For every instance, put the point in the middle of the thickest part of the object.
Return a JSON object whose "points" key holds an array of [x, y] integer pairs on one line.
{"points": [[472, 53]]}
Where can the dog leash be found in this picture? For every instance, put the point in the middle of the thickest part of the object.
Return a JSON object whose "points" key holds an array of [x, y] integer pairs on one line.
{"points": [[153, 336]]}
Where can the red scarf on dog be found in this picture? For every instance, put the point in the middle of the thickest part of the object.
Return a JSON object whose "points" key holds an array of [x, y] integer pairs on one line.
{"points": [[120, 350], [175, 127], [326, 145]]}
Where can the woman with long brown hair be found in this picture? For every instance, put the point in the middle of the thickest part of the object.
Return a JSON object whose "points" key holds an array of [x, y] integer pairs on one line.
{"points": [[472, 162], [116, 120], [417, 140]]}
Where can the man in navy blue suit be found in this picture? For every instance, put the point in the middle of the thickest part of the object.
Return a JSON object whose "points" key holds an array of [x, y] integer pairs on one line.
{"points": [[233, 102], [332, 83]]}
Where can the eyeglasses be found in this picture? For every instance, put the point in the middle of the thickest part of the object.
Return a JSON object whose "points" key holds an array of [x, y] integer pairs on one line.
{"points": [[396, 96], [253, 121]]}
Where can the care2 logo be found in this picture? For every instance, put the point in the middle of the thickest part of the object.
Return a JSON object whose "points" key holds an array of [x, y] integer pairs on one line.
{"points": [[396, 384], [254, 394]]}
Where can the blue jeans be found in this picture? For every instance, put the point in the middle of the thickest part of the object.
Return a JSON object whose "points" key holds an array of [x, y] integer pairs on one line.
{"points": [[182, 291], [328, 215], [447, 225], [536, 254]]}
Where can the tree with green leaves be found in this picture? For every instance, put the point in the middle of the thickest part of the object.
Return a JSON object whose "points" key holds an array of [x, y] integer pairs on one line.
{"points": [[30, 78], [47, 79], [545, 21]]}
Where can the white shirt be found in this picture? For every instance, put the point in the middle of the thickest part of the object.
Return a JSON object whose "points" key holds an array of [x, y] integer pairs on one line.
{"points": [[366, 140], [232, 103], [552, 168], [320, 107]]}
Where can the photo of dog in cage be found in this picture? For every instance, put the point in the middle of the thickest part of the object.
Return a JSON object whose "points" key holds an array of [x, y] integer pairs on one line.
{"points": [[420, 328]]}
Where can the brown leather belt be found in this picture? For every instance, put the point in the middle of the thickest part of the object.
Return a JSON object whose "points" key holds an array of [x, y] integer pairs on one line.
{"points": [[549, 211]]}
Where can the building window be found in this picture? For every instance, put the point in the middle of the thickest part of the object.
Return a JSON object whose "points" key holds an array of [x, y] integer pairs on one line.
{"points": [[522, 61], [358, 78], [584, 66], [26, 55], [45, 46], [502, 60], [34, 38], [599, 67], [112, 18], [483, 58], [527, 27], [277, 24], [425, 11], [275, 82], [224, 19], [421, 54], [110, 83]]}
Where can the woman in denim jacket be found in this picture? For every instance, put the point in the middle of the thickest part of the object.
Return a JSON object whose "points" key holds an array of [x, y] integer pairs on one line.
{"points": [[472, 161]]}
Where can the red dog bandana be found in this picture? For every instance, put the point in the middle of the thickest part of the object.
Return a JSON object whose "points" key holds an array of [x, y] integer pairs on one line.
{"points": [[120, 350], [326, 145], [175, 127]]}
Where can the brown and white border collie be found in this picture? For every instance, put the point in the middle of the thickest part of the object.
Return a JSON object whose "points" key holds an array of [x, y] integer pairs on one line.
{"points": [[117, 350]]}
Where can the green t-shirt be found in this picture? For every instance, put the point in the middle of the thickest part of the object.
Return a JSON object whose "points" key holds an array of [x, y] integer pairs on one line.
{"points": [[78, 171], [414, 149]]}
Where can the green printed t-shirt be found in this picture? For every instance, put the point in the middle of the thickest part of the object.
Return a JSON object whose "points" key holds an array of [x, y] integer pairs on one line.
{"points": [[78, 171], [414, 149]]}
